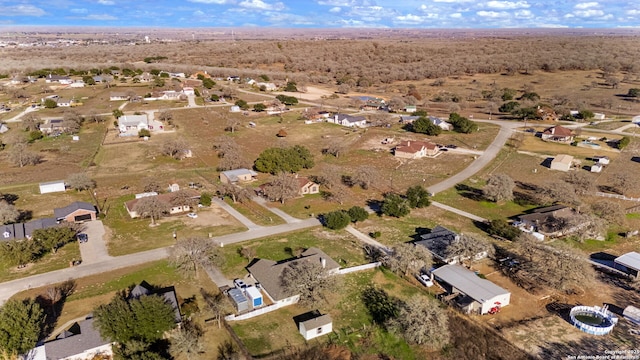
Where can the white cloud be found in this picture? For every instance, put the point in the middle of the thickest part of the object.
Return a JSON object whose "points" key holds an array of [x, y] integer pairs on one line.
{"points": [[455, 15], [261, 5], [100, 17], [505, 5], [343, 3], [492, 14], [453, 1], [217, 2], [524, 14], [586, 5], [410, 19], [198, 13], [105, 2], [22, 10], [335, 9], [633, 12], [589, 13], [79, 11]]}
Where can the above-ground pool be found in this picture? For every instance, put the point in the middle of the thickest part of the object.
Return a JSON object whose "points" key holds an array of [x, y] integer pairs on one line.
{"points": [[593, 319]]}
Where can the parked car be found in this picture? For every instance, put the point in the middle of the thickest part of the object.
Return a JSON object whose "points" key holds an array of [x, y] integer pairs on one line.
{"points": [[425, 280], [239, 284], [83, 238], [192, 215], [451, 146]]}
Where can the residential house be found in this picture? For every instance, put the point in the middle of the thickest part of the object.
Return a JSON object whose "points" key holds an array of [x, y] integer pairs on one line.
{"points": [[168, 199], [438, 242], [348, 120], [413, 149], [144, 77], [268, 273], [558, 134], [233, 78], [562, 163], [598, 116], [52, 186], [64, 102], [552, 221], [408, 119], [473, 294], [188, 90], [25, 230], [305, 186], [171, 95], [315, 114], [266, 86], [546, 113], [78, 211], [410, 108], [237, 175], [629, 263], [168, 293], [77, 84], [102, 78], [192, 83], [80, 341], [119, 96], [312, 324], [234, 108], [53, 127], [371, 103], [441, 123], [58, 79], [135, 123]]}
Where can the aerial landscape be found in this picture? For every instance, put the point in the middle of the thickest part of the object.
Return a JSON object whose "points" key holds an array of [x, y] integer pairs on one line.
{"points": [[330, 179]]}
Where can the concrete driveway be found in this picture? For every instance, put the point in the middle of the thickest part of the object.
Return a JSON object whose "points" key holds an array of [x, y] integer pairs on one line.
{"points": [[94, 250]]}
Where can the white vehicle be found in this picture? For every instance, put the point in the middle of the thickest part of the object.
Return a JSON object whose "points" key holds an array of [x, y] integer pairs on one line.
{"points": [[192, 215], [425, 280], [239, 284]]}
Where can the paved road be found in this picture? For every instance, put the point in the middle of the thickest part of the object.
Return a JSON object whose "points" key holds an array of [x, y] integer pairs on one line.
{"points": [[233, 212], [506, 129], [366, 239], [94, 250], [288, 218], [458, 211], [265, 231], [21, 114]]}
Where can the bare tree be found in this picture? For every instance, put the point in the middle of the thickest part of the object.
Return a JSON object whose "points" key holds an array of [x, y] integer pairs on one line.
{"points": [[329, 177], [609, 211], [469, 248], [80, 181], [230, 153], [581, 181], [282, 188], [93, 116], [335, 147], [309, 279], [421, 321], [366, 176], [217, 304], [408, 258], [31, 122], [382, 119], [175, 148], [165, 115], [151, 185], [232, 123], [556, 191], [151, 207], [343, 88], [247, 252], [187, 340], [183, 198], [338, 193], [21, 156], [236, 193], [188, 254], [623, 182], [8, 213], [499, 188], [72, 121]]}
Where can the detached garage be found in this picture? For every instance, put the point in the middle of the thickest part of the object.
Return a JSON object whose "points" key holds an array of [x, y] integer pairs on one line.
{"points": [[78, 211], [629, 263], [312, 328], [52, 186]]}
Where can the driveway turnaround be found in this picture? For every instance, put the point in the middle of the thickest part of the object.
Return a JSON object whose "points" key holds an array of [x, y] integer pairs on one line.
{"points": [[94, 250]]}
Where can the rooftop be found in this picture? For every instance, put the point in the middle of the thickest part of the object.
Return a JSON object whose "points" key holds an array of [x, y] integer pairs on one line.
{"points": [[234, 174], [317, 322], [469, 283], [563, 159], [629, 260], [413, 146], [81, 336], [60, 213]]}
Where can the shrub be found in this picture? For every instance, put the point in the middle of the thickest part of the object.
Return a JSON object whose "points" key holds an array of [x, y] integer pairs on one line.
{"points": [[375, 234], [337, 220]]}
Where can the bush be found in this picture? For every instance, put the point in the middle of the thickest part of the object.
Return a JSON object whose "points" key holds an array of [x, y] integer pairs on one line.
{"points": [[358, 213], [395, 205], [337, 220], [500, 227], [375, 234], [144, 133], [35, 135], [205, 199], [622, 143]]}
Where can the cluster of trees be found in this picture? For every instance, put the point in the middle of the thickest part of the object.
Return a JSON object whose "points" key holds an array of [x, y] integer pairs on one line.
{"points": [[43, 241], [289, 160], [18, 152], [340, 219], [21, 325], [399, 206], [287, 100], [230, 153], [154, 208], [310, 280], [423, 125], [175, 148], [461, 124]]}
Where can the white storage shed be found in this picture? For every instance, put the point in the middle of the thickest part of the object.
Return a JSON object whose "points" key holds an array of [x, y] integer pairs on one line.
{"points": [[52, 186], [254, 295], [315, 327]]}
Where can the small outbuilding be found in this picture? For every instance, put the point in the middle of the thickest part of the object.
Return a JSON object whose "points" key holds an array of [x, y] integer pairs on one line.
{"points": [[596, 168], [254, 296], [52, 186], [632, 314], [629, 263], [240, 301], [562, 163], [317, 326]]}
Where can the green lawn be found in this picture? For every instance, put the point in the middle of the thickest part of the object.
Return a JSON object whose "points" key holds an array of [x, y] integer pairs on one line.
{"points": [[341, 246], [135, 235], [49, 262], [256, 213]]}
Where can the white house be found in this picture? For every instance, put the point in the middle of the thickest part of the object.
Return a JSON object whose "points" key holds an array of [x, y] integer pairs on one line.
{"points": [[234, 108], [119, 96], [315, 327], [64, 102], [188, 91], [441, 123], [562, 163], [77, 84], [135, 123], [52, 186], [267, 86], [475, 295], [348, 120]]}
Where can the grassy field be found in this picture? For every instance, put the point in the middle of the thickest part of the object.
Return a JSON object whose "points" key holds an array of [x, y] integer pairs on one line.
{"points": [[256, 213], [340, 246], [49, 262]]}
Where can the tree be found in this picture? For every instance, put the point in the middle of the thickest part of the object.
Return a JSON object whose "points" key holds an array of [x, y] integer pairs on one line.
{"points": [[429, 328], [144, 133], [586, 115], [337, 220], [343, 88], [380, 305], [499, 188], [183, 198], [582, 182], [610, 211], [623, 182], [8, 213], [230, 153], [217, 304], [395, 205], [287, 100], [276, 160], [80, 181], [335, 147], [242, 104], [633, 92], [188, 340], [31, 122], [556, 191], [623, 142], [309, 279], [259, 107], [53, 238], [338, 193], [165, 116], [365, 176], [236, 193], [396, 103], [291, 87], [19, 252], [232, 124], [357, 213], [72, 121], [175, 148], [205, 199], [117, 113], [144, 319], [151, 207], [208, 83], [509, 107], [21, 322], [247, 252], [425, 126], [21, 156], [462, 124], [407, 258], [188, 254], [282, 188], [502, 228], [50, 103], [467, 248], [418, 197], [151, 185]]}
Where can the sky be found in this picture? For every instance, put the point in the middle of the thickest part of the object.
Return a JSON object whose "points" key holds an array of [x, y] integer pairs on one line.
{"points": [[435, 14]]}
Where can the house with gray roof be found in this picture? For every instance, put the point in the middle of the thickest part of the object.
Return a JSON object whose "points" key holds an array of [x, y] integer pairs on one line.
{"points": [[438, 242], [76, 212], [469, 291], [629, 263], [168, 293], [20, 231], [237, 175], [348, 120], [80, 341], [268, 273]]}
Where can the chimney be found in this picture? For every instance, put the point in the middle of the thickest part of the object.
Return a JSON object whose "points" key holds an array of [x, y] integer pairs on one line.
{"points": [[323, 262]]}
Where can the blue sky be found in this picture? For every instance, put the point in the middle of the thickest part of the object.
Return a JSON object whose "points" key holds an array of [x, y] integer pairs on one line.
{"points": [[325, 13]]}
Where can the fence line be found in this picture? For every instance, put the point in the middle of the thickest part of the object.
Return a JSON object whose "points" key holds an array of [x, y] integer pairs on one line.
{"points": [[257, 312], [359, 268], [621, 197]]}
